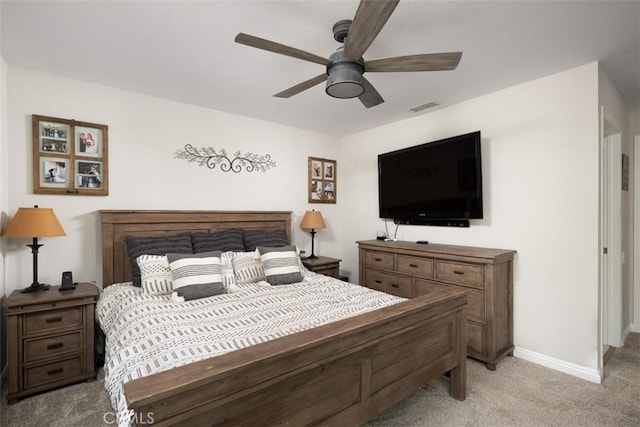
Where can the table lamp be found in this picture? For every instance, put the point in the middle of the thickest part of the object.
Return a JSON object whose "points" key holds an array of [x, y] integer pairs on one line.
{"points": [[33, 223], [312, 219]]}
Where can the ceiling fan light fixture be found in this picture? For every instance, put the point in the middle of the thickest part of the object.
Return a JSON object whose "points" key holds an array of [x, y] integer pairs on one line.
{"points": [[344, 81], [344, 77]]}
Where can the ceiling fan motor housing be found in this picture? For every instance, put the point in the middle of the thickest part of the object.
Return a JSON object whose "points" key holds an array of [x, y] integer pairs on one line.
{"points": [[344, 76], [341, 29]]}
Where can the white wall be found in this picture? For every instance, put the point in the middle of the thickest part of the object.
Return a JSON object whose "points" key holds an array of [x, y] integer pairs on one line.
{"points": [[540, 173], [144, 133]]}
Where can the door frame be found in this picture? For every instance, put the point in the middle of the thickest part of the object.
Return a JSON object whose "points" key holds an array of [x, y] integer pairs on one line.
{"points": [[610, 237]]}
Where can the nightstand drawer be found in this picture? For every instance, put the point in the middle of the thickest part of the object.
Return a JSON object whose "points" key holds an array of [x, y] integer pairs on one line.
{"points": [[464, 274], [422, 267], [52, 346], [55, 371], [53, 319]]}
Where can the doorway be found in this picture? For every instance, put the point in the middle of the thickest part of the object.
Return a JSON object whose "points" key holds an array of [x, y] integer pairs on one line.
{"points": [[611, 240]]}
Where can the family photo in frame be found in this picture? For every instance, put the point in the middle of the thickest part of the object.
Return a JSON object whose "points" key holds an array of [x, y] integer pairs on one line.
{"points": [[322, 180], [70, 157]]}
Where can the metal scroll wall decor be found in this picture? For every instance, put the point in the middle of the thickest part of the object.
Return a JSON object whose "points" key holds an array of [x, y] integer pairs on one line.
{"points": [[208, 156]]}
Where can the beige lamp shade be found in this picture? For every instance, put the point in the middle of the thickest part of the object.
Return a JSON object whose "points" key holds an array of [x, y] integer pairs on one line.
{"points": [[312, 219], [34, 222]]}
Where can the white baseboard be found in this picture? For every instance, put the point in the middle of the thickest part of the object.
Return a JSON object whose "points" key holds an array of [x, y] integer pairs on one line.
{"points": [[592, 375]]}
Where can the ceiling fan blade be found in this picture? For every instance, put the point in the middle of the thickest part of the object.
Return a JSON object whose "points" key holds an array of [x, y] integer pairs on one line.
{"points": [[370, 97], [426, 62], [270, 46], [307, 84], [367, 23]]}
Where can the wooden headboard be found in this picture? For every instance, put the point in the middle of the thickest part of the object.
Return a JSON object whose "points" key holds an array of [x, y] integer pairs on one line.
{"points": [[116, 224]]}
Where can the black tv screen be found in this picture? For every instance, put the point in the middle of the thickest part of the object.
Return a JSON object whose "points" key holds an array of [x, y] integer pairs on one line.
{"points": [[440, 180]]}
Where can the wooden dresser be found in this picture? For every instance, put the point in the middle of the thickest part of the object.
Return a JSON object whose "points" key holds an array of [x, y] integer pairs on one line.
{"points": [[410, 269], [50, 339]]}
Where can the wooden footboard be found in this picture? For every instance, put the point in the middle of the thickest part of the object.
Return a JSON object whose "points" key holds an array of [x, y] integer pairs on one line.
{"points": [[343, 373]]}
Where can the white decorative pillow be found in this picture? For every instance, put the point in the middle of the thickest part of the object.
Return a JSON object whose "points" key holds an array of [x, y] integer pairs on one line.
{"points": [[226, 266], [196, 275], [247, 267], [281, 264], [155, 275]]}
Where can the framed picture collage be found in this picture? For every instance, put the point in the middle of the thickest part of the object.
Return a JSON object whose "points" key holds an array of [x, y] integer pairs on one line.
{"points": [[69, 157]]}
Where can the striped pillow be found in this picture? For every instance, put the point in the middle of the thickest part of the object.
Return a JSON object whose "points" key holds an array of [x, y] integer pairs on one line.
{"points": [[155, 274], [162, 245], [196, 275], [281, 265]]}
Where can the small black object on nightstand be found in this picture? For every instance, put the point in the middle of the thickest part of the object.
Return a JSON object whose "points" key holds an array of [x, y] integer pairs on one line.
{"points": [[422, 242], [67, 282]]}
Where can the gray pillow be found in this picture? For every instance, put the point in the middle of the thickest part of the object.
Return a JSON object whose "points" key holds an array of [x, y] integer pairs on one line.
{"points": [[267, 238], [136, 246], [223, 240], [281, 264]]}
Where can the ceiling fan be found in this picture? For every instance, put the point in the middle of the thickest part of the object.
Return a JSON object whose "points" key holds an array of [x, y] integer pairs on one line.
{"points": [[345, 67]]}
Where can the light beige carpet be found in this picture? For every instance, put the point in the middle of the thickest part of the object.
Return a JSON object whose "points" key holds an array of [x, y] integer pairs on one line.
{"points": [[518, 393]]}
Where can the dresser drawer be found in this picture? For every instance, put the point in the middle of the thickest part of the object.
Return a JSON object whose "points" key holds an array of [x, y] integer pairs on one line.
{"points": [[56, 371], [379, 259], [53, 319], [52, 346], [401, 286], [465, 274], [475, 338], [422, 267], [475, 298]]}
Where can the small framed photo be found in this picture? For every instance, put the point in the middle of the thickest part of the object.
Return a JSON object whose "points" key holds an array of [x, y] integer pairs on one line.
{"points": [[316, 169], [53, 137], [625, 172], [329, 170], [88, 141], [88, 174], [69, 157], [53, 172], [322, 180]]}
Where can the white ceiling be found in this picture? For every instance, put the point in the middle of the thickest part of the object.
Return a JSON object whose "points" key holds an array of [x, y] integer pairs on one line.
{"points": [[184, 50]]}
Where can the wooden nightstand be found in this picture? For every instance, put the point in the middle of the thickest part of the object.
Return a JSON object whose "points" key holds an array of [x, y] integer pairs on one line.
{"points": [[50, 339], [323, 265]]}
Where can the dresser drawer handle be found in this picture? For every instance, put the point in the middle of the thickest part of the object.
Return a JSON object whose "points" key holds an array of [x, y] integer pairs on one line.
{"points": [[378, 259], [413, 265], [55, 345], [55, 371], [458, 272], [393, 285], [378, 282], [54, 319]]}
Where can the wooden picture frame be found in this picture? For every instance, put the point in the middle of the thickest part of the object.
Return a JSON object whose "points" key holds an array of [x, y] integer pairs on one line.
{"points": [[323, 180], [69, 157]]}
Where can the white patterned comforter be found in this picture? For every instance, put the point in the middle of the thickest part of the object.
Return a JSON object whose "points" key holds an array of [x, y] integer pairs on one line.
{"points": [[148, 334]]}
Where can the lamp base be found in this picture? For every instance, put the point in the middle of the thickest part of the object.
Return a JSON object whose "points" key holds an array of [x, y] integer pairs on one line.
{"points": [[35, 287], [312, 256]]}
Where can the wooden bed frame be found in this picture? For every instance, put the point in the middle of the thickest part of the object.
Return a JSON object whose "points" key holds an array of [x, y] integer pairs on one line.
{"points": [[342, 373]]}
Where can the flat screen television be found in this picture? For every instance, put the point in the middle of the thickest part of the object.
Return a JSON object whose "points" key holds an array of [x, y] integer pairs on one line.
{"points": [[437, 183]]}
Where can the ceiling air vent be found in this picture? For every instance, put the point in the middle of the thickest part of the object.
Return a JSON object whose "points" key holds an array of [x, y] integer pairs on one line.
{"points": [[424, 106]]}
